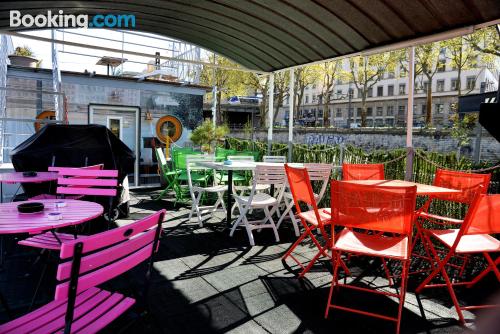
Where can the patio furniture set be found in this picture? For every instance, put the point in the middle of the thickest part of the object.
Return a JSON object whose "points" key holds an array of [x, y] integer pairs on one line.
{"points": [[368, 216], [84, 261]]}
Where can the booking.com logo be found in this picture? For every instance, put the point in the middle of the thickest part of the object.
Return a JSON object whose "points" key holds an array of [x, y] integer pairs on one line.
{"points": [[61, 20]]}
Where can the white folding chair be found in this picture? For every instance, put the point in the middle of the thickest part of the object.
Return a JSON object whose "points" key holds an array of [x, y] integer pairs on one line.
{"points": [[264, 175], [274, 158], [318, 172], [197, 191]]}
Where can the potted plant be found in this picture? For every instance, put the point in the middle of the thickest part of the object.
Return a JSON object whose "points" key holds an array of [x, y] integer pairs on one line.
{"points": [[207, 135], [23, 56]]}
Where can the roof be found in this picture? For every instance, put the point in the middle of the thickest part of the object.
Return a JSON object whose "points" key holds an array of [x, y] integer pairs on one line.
{"points": [[269, 35], [110, 77]]}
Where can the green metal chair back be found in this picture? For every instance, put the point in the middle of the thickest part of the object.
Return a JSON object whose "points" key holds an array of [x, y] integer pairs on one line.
{"points": [[222, 153]]}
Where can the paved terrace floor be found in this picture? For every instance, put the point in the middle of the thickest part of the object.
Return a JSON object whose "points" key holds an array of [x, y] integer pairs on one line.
{"points": [[207, 282]]}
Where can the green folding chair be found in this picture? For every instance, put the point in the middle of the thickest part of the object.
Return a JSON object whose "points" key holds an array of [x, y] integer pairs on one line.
{"points": [[168, 174]]}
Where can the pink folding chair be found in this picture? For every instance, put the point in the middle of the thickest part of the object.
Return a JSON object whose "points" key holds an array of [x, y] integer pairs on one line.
{"points": [[81, 182], [79, 305], [57, 169]]}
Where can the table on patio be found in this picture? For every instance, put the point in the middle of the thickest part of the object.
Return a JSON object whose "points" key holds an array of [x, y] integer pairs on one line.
{"points": [[422, 189], [240, 166], [19, 177]]}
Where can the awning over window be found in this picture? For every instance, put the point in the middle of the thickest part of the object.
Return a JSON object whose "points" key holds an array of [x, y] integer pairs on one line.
{"points": [[270, 35]]}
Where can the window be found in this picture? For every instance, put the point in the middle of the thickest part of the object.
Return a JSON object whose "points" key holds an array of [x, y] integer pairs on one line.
{"points": [[439, 107], [390, 74], [314, 98], [402, 89], [369, 111], [390, 90], [425, 86], [307, 98], [423, 108], [351, 113], [314, 86], [370, 92], [320, 113], [339, 112], [339, 93], [390, 110], [471, 83], [441, 65], [359, 93], [358, 112], [389, 122], [440, 86], [454, 84], [401, 110], [380, 90], [380, 111], [351, 93]]}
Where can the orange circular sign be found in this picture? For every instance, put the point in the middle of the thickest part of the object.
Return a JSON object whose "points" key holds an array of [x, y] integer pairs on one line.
{"points": [[47, 114], [168, 126]]}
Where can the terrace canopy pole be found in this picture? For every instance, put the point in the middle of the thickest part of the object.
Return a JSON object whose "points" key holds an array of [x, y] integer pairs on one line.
{"points": [[56, 79], [3, 92], [270, 114], [291, 104], [409, 117]]}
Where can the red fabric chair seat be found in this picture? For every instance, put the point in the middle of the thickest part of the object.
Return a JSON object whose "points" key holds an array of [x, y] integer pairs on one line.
{"points": [[470, 243], [310, 216], [373, 245]]}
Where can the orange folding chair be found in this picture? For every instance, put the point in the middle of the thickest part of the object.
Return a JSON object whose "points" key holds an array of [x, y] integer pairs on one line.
{"points": [[302, 192], [473, 237], [469, 185], [388, 211], [363, 172]]}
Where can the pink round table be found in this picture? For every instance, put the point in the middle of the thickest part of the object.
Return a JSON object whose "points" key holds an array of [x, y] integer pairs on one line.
{"points": [[18, 177], [75, 212]]}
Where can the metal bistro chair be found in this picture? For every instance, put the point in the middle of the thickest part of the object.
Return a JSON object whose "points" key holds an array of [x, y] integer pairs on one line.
{"points": [[363, 172], [318, 172], [79, 306], [474, 237], [469, 184], [302, 193], [264, 175], [389, 212], [197, 190]]}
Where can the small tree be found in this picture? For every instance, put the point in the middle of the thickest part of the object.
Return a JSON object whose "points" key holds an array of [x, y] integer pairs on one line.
{"points": [[304, 76], [206, 135], [330, 71], [366, 71]]}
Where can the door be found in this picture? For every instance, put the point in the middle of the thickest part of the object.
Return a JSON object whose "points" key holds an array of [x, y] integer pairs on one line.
{"points": [[123, 122]]}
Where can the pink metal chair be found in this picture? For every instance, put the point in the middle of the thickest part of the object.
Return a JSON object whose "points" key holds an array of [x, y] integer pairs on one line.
{"points": [[388, 211], [57, 169], [81, 182], [473, 237], [79, 305]]}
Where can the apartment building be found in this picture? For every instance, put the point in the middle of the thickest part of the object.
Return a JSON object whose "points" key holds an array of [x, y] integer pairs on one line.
{"points": [[387, 99]]}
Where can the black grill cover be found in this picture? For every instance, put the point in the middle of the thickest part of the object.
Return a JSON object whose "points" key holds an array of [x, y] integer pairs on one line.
{"points": [[72, 146]]}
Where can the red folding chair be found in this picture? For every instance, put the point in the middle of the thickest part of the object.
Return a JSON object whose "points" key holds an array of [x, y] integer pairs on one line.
{"points": [[363, 172], [473, 237], [79, 305], [469, 185], [301, 189], [388, 211]]}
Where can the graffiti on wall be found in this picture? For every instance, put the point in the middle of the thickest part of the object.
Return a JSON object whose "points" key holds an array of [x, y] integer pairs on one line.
{"points": [[315, 139]]}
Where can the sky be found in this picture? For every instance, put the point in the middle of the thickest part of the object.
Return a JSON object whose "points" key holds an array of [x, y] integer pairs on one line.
{"points": [[71, 58]]}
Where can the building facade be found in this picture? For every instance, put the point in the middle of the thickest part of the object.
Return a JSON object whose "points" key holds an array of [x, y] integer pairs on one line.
{"points": [[387, 99]]}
